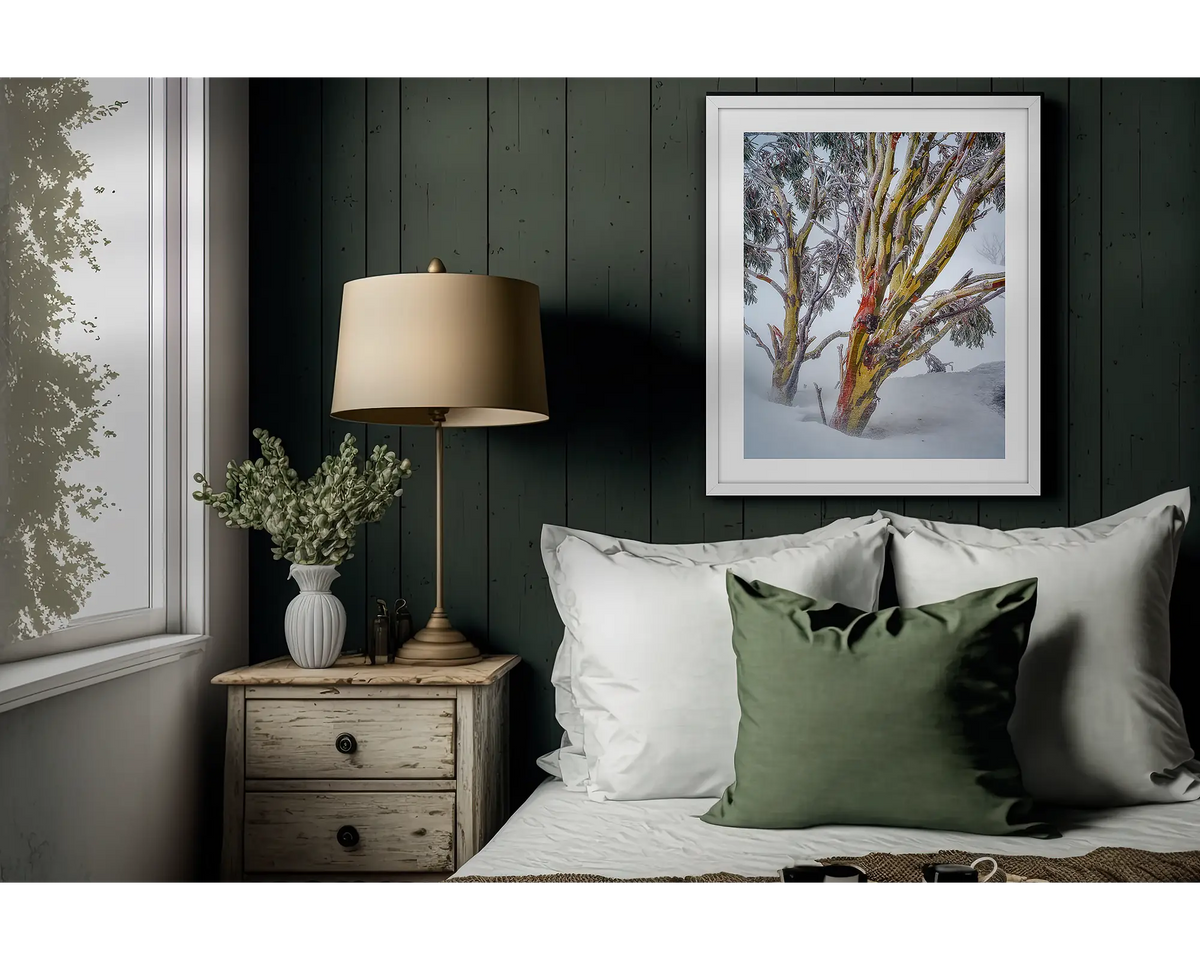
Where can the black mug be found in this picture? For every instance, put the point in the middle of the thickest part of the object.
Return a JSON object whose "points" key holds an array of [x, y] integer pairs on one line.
{"points": [[949, 875], [828, 873]]}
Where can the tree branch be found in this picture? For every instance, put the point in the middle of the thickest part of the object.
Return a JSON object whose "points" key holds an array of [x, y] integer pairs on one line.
{"points": [[783, 212], [814, 302], [838, 239], [920, 276], [949, 171], [814, 197], [967, 307], [981, 284], [816, 351], [757, 339], [762, 247], [950, 319], [765, 279]]}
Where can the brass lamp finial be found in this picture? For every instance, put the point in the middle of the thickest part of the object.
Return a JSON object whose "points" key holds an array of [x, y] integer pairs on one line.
{"points": [[436, 266]]}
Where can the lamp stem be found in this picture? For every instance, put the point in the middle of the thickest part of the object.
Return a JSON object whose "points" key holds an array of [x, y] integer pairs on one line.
{"points": [[438, 643], [440, 460]]}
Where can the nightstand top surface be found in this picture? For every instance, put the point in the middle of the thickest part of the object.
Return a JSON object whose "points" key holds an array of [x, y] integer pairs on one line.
{"points": [[356, 670]]}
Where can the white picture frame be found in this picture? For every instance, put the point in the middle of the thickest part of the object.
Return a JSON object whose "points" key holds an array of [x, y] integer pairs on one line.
{"points": [[728, 470]]}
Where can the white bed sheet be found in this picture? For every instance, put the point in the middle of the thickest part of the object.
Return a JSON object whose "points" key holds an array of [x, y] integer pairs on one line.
{"points": [[561, 831]]}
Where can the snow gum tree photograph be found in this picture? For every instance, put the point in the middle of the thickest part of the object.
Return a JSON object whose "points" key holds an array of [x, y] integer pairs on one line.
{"points": [[873, 294]]}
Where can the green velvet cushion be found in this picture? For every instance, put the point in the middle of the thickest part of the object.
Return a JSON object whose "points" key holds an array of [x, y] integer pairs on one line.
{"points": [[896, 717]]}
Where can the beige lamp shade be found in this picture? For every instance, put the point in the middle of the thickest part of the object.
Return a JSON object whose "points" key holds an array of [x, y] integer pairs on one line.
{"points": [[414, 342]]}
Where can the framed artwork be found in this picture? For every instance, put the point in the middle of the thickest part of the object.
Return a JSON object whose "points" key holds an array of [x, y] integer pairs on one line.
{"points": [[873, 291]]}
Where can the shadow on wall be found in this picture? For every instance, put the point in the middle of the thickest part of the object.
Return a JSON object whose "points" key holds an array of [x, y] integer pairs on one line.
{"points": [[1185, 626], [617, 384], [613, 385]]}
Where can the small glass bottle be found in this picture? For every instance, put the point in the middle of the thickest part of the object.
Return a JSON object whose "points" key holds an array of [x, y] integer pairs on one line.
{"points": [[379, 641], [403, 628]]}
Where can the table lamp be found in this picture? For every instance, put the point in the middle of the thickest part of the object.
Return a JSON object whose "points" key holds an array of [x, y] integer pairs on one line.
{"points": [[443, 350]]}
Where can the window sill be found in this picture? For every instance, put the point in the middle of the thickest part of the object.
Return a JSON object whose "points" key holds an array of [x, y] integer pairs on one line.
{"points": [[27, 681]]}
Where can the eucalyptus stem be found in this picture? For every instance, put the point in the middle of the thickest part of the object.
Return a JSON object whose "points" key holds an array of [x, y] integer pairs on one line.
{"points": [[310, 521]]}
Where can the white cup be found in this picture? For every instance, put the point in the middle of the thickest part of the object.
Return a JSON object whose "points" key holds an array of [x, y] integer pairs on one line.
{"points": [[991, 873], [975, 866]]}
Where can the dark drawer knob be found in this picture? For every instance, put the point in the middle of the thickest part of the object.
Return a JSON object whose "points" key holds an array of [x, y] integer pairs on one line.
{"points": [[347, 836], [346, 743]]}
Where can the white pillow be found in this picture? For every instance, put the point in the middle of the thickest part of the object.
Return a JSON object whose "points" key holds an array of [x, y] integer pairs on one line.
{"points": [[986, 536], [655, 677], [568, 762], [1095, 722]]}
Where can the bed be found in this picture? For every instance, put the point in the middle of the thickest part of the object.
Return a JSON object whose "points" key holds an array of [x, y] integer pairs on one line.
{"points": [[561, 831], [683, 669]]}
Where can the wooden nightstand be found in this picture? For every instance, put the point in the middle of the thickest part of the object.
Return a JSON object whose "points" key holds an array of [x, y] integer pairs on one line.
{"points": [[385, 772]]}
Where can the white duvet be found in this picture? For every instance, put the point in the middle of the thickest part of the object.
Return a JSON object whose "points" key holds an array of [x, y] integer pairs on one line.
{"points": [[561, 831]]}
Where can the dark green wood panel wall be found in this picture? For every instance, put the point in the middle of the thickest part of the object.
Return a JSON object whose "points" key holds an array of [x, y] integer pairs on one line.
{"points": [[344, 205], [594, 190], [527, 466], [286, 371], [680, 512], [608, 406]]}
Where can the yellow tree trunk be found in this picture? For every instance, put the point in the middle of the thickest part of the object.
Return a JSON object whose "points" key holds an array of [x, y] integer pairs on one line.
{"points": [[891, 287], [783, 383], [856, 405], [790, 350]]}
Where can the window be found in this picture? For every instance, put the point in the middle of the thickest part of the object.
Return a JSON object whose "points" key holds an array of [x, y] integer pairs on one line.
{"points": [[95, 299]]}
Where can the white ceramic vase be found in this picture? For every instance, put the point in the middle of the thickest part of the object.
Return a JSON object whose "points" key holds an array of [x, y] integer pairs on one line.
{"points": [[315, 621]]}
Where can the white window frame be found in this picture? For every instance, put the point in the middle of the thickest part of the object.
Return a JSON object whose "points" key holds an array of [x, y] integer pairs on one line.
{"points": [[178, 391]]}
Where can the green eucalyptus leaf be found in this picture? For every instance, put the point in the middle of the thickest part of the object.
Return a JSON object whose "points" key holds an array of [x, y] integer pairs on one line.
{"points": [[314, 518]]}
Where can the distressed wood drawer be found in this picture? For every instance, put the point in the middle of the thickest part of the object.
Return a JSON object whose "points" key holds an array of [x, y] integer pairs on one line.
{"points": [[424, 783], [392, 739], [396, 832]]}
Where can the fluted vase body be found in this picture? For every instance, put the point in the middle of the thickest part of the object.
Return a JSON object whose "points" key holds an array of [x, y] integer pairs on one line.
{"points": [[315, 621]]}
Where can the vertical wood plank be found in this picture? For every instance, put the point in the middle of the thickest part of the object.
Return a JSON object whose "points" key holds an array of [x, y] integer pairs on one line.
{"points": [[874, 85], [1136, 447], [1173, 269], [773, 83], [232, 839], [343, 258], [953, 509], [1166, 194], [681, 512], [285, 297], [1182, 246], [952, 85], [794, 85], [1052, 508], [382, 540], [465, 759], [527, 483], [835, 507], [1008, 84], [444, 214], [774, 516], [608, 305], [1084, 368], [481, 780]]}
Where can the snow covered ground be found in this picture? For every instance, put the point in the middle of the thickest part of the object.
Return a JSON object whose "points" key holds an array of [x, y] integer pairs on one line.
{"points": [[932, 415]]}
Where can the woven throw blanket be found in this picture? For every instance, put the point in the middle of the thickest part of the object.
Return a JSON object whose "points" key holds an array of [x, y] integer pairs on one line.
{"points": [[1102, 865], [596, 878]]}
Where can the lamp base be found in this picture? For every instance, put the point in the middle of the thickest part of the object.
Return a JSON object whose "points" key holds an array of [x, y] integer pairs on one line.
{"points": [[438, 645]]}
